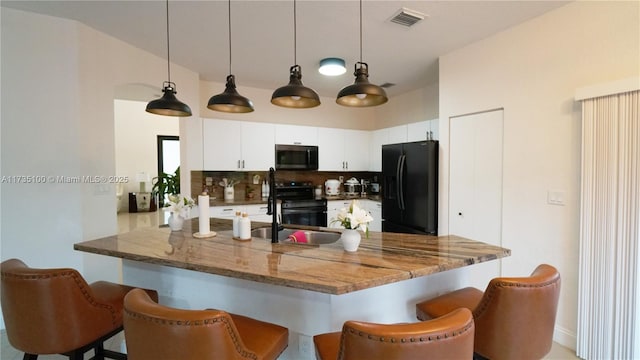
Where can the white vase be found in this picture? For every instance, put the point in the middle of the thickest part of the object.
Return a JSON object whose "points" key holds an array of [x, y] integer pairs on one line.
{"points": [[175, 222], [350, 240]]}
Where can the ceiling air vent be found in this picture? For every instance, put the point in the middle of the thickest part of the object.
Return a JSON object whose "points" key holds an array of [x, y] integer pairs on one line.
{"points": [[387, 85], [406, 17]]}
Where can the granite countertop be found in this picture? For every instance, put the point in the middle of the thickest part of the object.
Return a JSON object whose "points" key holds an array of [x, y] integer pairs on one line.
{"points": [[382, 258]]}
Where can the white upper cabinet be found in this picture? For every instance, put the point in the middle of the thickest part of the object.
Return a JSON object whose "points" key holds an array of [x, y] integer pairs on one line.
{"points": [[258, 146], [222, 149], [423, 130], [397, 134], [356, 150], [296, 135], [343, 150], [377, 138], [238, 145], [330, 149]]}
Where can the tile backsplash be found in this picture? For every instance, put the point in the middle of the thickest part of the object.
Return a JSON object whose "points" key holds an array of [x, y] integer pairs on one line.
{"points": [[246, 188]]}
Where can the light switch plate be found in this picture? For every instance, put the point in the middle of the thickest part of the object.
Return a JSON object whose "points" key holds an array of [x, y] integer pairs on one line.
{"points": [[556, 197]]}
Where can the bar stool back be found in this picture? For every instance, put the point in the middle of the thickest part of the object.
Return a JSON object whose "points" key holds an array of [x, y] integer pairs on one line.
{"points": [[153, 331], [447, 337], [55, 311], [514, 317]]}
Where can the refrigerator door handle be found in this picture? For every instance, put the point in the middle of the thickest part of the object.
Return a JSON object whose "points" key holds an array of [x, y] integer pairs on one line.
{"points": [[398, 186], [403, 161]]}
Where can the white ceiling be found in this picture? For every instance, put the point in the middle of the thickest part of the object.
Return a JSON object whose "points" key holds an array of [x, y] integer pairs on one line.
{"points": [[262, 35]]}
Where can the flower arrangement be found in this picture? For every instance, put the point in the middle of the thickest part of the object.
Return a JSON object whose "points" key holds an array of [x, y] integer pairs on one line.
{"points": [[354, 217], [179, 204]]}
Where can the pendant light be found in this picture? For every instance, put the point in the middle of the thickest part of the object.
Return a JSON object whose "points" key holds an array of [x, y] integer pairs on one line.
{"points": [[168, 104], [295, 95], [362, 93], [230, 101]]}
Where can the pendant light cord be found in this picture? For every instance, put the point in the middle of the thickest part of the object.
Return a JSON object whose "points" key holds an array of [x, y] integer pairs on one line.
{"points": [[229, 10], [360, 30], [295, 36], [168, 52]]}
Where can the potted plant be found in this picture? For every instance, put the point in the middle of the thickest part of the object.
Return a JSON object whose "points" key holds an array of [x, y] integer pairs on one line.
{"points": [[166, 184]]}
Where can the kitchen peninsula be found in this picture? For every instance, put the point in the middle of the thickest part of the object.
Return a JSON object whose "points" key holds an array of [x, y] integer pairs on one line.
{"points": [[308, 288]]}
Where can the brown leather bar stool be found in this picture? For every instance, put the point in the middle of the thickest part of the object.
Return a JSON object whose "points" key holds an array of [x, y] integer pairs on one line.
{"points": [[447, 337], [154, 331], [514, 317], [55, 311]]}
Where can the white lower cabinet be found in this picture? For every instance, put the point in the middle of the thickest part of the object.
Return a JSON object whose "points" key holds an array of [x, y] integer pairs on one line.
{"points": [[224, 212], [256, 212], [259, 212], [373, 207], [333, 209]]}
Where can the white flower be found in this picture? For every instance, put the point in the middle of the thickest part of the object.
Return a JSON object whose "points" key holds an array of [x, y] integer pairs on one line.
{"points": [[354, 217], [179, 204]]}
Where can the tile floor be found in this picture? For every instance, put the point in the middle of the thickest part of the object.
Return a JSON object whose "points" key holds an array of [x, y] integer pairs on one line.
{"points": [[130, 221]]}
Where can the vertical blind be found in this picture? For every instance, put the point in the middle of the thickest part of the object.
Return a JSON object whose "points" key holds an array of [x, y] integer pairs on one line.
{"points": [[609, 294]]}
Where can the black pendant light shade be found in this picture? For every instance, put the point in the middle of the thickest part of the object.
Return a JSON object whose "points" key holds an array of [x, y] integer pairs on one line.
{"points": [[295, 95], [230, 101], [168, 104], [362, 93]]}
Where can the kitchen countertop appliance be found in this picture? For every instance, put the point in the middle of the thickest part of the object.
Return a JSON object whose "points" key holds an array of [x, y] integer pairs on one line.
{"points": [[352, 187], [299, 206], [410, 174], [332, 187]]}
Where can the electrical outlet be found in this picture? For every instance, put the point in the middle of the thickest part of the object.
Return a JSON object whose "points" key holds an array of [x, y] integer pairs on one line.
{"points": [[305, 346]]}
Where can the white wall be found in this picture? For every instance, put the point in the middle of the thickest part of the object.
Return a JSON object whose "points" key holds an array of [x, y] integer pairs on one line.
{"points": [[58, 120], [40, 137], [532, 71], [136, 135], [415, 106]]}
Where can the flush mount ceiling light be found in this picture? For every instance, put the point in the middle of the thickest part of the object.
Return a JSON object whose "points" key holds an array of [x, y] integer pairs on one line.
{"points": [[295, 95], [332, 67], [361, 93], [230, 100], [168, 104]]}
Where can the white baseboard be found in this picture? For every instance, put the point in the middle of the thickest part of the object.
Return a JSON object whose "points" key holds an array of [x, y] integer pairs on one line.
{"points": [[565, 337]]}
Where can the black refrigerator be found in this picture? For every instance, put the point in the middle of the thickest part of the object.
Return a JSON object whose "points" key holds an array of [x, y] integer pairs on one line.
{"points": [[410, 193]]}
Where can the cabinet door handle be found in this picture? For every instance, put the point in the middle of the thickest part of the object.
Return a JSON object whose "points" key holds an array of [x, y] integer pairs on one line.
{"points": [[243, 164], [297, 143], [346, 166], [239, 165]]}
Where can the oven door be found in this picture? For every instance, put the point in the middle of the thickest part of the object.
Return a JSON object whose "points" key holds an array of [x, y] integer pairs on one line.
{"points": [[312, 216]]}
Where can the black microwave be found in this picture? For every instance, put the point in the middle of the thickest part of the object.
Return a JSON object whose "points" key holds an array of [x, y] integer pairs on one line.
{"points": [[296, 157]]}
